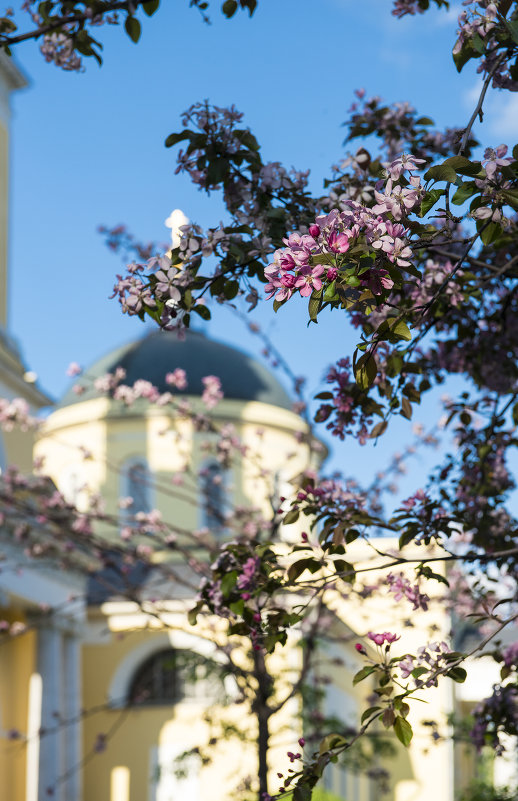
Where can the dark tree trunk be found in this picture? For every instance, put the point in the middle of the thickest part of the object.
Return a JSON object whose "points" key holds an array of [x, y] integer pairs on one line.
{"points": [[262, 712]]}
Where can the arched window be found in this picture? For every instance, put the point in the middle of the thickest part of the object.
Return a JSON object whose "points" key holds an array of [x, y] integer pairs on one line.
{"points": [[158, 680], [212, 488], [136, 483]]}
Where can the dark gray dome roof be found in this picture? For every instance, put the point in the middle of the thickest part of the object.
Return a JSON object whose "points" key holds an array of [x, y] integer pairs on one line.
{"points": [[161, 352]]}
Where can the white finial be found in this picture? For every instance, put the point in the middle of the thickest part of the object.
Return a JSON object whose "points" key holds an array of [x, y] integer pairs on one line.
{"points": [[174, 221]]}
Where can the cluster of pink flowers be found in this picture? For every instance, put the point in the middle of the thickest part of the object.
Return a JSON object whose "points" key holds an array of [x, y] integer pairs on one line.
{"points": [[386, 637], [495, 158], [58, 48], [228, 445], [109, 381], [480, 20], [177, 379], [14, 629], [246, 579], [432, 657], [74, 369], [401, 587], [330, 496], [316, 258], [16, 413], [434, 276], [417, 499], [212, 392], [495, 715], [346, 411], [403, 7]]}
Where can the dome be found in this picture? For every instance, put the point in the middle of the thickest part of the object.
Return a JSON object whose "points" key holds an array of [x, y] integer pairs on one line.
{"points": [[161, 352]]}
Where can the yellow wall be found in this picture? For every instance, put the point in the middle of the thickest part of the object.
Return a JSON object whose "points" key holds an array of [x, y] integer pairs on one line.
{"points": [[17, 663], [113, 435], [136, 732]]}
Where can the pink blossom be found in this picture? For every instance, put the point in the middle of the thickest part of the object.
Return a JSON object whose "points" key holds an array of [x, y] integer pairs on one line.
{"points": [[74, 369], [338, 243], [405, 162], [380, 639], [178, 378], [212, 393], [495, 158], [310, 280]]}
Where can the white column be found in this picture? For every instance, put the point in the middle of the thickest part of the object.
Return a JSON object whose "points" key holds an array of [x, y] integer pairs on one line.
{"points": [[50, 664], [72, 712], [33, 738]]}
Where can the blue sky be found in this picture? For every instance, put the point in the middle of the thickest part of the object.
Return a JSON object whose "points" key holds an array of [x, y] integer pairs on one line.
{"points": [[88, 149]]}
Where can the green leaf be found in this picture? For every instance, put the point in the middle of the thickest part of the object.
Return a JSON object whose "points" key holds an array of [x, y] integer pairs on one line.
{"points": [[229, 8], [314, 305], [490, 233], [512, 27], [174, 138], [203, 311], [478, 44], [238, 607], [369, 712], [378, 429], [458, 674], [401, 330], [250, 5], [363, 673], [247, 139], [463, 56], [441, 172], [419, 672], [388, 718], [348, 571], [511, 197], [406, 408], [330, 291], [228, 582], [463, 166], [192, 614], [331, 741], [424, 121], [464, 192], [302, 792], [366, 371], [297, 568], [133, 29], [403, 730], [430, 199], [277, 304], [231, 289], [150, 7], [515, 414], [291, 517], [428, 573]]}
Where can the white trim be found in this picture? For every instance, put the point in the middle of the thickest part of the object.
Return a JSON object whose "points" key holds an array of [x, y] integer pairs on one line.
{"points": [[33, 737]]}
